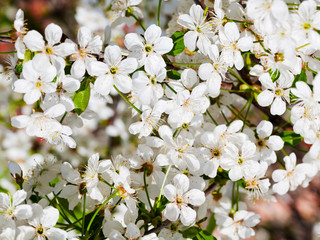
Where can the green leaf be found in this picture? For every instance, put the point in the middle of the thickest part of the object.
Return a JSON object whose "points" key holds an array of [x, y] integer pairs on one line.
{"points": [[190, 232], [212, 224], [290, 138], [173, 74], [19, 68], [274, 75], [178, 44], [300, 77], [82, 96], [204, 235]]}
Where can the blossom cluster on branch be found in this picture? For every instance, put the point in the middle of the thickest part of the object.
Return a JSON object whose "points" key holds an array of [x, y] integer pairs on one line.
{"points": [[215, 106]]}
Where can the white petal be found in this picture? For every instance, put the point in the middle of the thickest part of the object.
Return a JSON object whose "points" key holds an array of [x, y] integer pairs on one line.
{"points": [[53, 34], [188, 215], [123, 83], [190, 39], [265, 98], [170, 192], [181, 182], [264, 129], [103, 84], [152, 34], [278, 106], [34, 41], [171, 212], [195, 197], [49, 217]]}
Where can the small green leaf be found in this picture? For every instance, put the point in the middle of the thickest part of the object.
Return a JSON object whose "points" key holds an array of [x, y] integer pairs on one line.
{"points": [[19, 68], [290, 138], [204, 235], [178, 44], [190, 232], [300, 77], [173, 74], [274, 75], [82, 96]]}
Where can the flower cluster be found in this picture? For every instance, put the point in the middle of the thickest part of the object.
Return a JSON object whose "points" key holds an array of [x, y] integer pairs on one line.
{"points": [[216, 106]]}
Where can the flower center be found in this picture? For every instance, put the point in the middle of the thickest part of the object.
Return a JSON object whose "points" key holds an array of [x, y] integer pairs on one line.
{"points": [[306, 26], [148, 49], [261, 143], [240, 161], [38, 84], [278, 92], [153, 81], [40, 230], [278, 57], [215, 153], [49, 50], [113, 70]]}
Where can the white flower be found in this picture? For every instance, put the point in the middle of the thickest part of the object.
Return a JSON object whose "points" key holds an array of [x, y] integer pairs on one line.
{"points": [[39, 124], [35, 82], [66, 85], [179, 198], [91, 178], [306, 23], [233, 44], [147, 84], [257, 184], [41, 225], [50, 52], [267, 14], [151, 45], [114, 70], [238, 226], [71, 191], [88, 46], [212, 152], [200, 34], [213, 72], [240, 161], [20, 26], [150, 119], [187, 105], [267, 145], [120, 7], [276, 93], [11, 207], [290, 178]]}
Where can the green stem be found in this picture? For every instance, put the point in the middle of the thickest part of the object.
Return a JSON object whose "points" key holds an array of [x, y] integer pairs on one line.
{"points": [[158, 16], [146, 188], [63, 117], [138, 21], [5, 33], [237, 197], [98, 210], [248, 110], [239, 113], [84, 213], [232, 195], [5, 53], [281, 126], [170, 87], [214, 121], [162, 186], [124, 98], [222, 113], [238, 21]]}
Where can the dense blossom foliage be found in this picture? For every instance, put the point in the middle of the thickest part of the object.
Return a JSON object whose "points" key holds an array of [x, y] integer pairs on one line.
{"points": [[225, 106]]}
